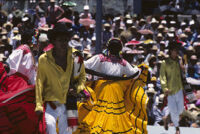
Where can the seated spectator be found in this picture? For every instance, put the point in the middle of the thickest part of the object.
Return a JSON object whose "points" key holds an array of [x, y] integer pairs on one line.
{"points": [[85, 41], [75, 43], [192, 70], [151, 94], [161, 112]]}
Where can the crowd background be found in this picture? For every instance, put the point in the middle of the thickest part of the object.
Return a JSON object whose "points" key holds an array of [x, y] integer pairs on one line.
{"points": [[145, 40]]}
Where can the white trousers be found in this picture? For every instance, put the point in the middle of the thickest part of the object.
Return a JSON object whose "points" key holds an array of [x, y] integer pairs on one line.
{"points": [[51, 116], [176, 106]]}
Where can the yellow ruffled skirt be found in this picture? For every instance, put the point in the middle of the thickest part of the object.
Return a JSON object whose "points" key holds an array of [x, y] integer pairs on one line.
{"points": [[116, 107]]}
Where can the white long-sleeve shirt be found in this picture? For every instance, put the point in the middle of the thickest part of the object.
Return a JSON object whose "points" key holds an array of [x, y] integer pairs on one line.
{"points": [[21, 60]]}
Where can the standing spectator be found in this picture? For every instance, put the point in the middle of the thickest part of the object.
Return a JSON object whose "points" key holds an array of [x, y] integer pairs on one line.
{"points": [[170, 77], [54, 12], [86, 13], [40, 12], [106, 33]]}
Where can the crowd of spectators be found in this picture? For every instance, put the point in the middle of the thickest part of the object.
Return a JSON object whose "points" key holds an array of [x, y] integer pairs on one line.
{"points": [[145, 40]]}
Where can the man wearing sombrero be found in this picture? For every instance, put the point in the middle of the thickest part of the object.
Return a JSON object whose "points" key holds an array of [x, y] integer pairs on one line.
{"points": [[56, 71]]}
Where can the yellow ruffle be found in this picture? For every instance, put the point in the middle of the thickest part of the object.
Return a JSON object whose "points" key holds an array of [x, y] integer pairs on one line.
{"points": [[115, 107]]}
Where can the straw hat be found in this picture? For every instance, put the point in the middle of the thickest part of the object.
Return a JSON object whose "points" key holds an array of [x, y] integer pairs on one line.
{"points": [[15, 30], [140, 48], [8, 24], [2, 45], [93, 38], [161, 27], [128, 16], [2, 57], [151, 90], [192, 106], [121, 28], [86, 53], [52, 1], [92, 26], [190, 48], [183, 35], [191, 22], [171, 29], [86, 7], [153, 21], [133, 27], [43, 38], [129, 21], [44, 28], [106, 25], [172, 22], [142, 20], [162, 42], [183, 23], [24, 19], [159, 35], [166, 30], [76, 37], [187, 30], [170, 35], [116, 18], [4, 37], [154, 47], [161, 54], [149, 41], [163, 22], [193, 57], [4, 32], [153, 78], [42, 1], [160, 98]]}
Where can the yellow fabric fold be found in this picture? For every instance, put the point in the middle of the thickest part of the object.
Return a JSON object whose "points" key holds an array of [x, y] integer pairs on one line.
{"points": [[117, 107]]}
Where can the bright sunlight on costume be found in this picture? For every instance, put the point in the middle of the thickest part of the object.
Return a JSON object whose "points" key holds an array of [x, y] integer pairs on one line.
{"points": [[117, 104]]}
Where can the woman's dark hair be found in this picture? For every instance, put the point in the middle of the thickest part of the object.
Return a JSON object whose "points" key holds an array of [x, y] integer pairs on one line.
{"points": [[26, 37], [114, 46]]}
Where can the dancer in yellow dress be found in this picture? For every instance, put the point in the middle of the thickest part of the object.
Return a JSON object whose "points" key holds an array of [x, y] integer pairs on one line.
{"points": [[117, 104]]}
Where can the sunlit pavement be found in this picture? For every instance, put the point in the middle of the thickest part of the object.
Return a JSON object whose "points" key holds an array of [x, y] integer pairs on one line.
{"points": [[171, 130]]}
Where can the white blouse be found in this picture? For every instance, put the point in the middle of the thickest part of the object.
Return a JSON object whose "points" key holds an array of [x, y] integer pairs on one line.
{"points": [[23, 63], [106, 65]]}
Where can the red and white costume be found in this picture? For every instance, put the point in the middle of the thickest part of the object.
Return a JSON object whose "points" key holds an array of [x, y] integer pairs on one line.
{"points": [[21, 60]]}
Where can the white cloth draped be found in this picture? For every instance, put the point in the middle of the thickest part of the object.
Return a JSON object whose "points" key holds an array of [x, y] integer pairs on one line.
{"points": [[22, 63]]}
